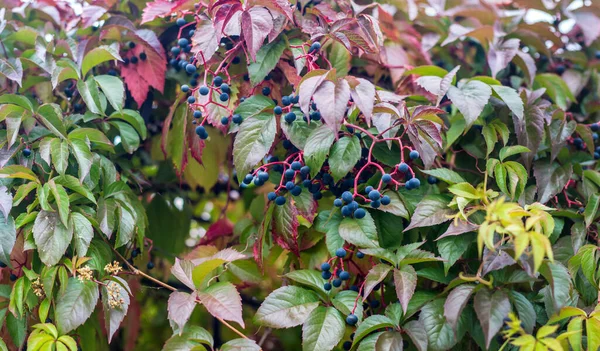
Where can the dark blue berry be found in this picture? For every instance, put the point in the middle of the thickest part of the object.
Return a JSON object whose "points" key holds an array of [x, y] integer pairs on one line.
{"points": [[347, 345], [201, 131], [290, 185], [280, 200], [341, 252], [315, 116], [368, 189], [360, 213], [131, 45], [325, 266], [143, 56], [182, 42], [346, 211], [224, 97], [133, 59], [414, 154], [150, 265], [266, 91], [271, 196], [175, 50], [337, 203], [217, 81], [296, 191], [305, 170], [403, 167], [386, 178], [290, 117], [204, 90], [360, 255], [325, 274], [224, 120], [375, 204], [337, 283], [317, 196], [327, 286], [185, 88], [351, 319], [191, 99], [237, 119], [595, 127], [225, 88], [248, 178], [316, 46], [347, 197], [432, 180], [285, 101], [289, 174], [374, 195], [344, 275], [181, 22], [26, 152], [263, 176], [278, 110], [385, 200]]}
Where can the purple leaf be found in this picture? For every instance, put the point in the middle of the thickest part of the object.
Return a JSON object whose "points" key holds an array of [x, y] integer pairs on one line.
{"points": [[405, 281], [501, 53], [182, 270], [180, 308], [206, 40], [257, 23], [363, 94], [456, 302], [309, 83], [332, 100]]}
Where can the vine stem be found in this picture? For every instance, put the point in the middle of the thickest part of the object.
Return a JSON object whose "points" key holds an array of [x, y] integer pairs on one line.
{"points": [[167, 286]]}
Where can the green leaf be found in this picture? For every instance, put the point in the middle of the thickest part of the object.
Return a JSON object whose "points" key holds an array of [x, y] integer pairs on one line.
{"points": [[339, 57], [317, 148], [266, 59], [8, 237], [591, 208], [73, 184], [192, 337], [94, 136], [253, 141], [51, 117], [389, 228], [83, 156], [308, 277], [370, 325], [91, 95], [61, 198], [556, 88], [298, 132], [76, 305], [298, 54], [286, 307], [240, 345], [17, 328], [451, 248], [511, 98], [132, 117], [508, 151], [346, 300], [83, 233], [416, 332], [345, 153], [405, 281], [113, 89], [592, 328], [126, 226], [51, 237], [525, 310], [360, 232], [253, 106], [129, 137], [470, 99], [177, 145], [491, 308], [98, 55], [59, 150], [369, 343], [445, 174], [323, 329], [432, 210], [439, 333]]}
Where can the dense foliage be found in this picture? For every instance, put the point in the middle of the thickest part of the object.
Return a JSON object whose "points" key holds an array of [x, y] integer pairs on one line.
{"points": [[305, 175]]}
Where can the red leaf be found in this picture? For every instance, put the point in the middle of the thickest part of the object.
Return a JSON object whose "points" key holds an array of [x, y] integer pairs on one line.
{"points": [[257, 23], [163, 8], [222, 300], [141, 76], [222, 227], [285, 226], [206, 40], [290, 73]]}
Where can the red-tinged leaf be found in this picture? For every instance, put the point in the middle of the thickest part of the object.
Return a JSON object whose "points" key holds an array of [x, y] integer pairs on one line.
{"points": [[182, 270], [166, 127], [205, 41], [456, 302], [405, 281], [149, 37], [222, 227], [426, 138], [307, 86], [222, 300], [195, 144], [257, 249], [306, 206], [180, 308], [500, 54], [163, 8], [458, 229], [363, 94], [371, 31], [395, 57], [491, 308], [257, 23], [282, 6], [375, 276], [91, 14], [145, 74], [285, 225], [290, 72], [332, 100]]}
